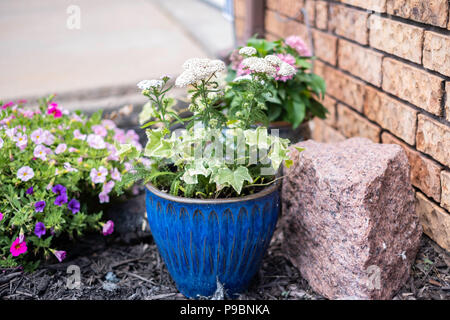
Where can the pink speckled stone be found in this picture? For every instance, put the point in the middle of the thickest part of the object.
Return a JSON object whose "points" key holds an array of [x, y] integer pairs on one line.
{"points": [[349, 220]]}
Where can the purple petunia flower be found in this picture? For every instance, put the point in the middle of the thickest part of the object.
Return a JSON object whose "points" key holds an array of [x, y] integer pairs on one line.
{"points": [[39, 230], [29, 190], [39, 206], [59, 189], [60, 255], [74, 206], [61, 199], [108, 228]]}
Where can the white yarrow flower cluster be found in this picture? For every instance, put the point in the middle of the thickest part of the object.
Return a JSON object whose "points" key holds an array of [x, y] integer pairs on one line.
{"points": [[247, 51], [259, 65], [197, 69], [286, 70], [147, 84], [273, 60]]}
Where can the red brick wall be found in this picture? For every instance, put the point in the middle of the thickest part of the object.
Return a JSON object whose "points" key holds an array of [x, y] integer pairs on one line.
{"points": [[387, 68]]}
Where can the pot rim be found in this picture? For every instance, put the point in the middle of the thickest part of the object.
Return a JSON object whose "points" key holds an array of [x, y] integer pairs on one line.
{"points": [[283, 124], [260, 194]]}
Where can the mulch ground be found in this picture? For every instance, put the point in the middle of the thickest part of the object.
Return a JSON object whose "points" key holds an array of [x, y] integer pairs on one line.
{"points": [[111, 269]]}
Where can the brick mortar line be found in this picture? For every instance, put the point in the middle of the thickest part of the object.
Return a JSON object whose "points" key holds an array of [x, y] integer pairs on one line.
{"points": [[428, 27], [390, 55], [382, 128], [441, 119], [444, 168], [429, 199], [425, 26]]}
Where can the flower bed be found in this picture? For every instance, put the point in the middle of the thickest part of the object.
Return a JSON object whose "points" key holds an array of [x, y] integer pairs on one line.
{"points": [[57, 167]]}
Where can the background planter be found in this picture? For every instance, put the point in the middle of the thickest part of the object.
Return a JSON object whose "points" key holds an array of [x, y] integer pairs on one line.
{"points": [[301, 133], [202, 241]]}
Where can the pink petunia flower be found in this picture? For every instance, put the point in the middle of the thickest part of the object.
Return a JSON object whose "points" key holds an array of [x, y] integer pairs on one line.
{"points": [[41, 152], [115, 174], [38, 136], [60, 255], [129, 167], [103, 197], [11, 132], [25, 173], [1, 143], [108, 186], [76, 118], [27, 113], [49, 138], [113, 156], [7, 105], [119, 135], [53, 109], [96, 141], [100, 130], [1, 216], [18, 247], [108, 124], [98, 176], [69, 167], [78, 135], [108, 227], [21, 140], [61, 148]]}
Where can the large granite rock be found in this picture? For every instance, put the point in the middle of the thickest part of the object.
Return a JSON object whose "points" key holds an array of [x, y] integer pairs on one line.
{"points": [[348, 218]]}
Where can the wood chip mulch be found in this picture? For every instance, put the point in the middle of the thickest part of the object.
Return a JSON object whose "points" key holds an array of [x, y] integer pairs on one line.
{"points": [[111, 269]]}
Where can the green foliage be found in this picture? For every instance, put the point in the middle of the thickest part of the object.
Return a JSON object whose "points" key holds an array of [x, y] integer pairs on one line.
{"points": [[218, 155], [73, 145]]}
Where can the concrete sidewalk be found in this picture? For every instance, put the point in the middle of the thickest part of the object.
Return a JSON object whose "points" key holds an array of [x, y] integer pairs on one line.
{"points": [[118, 44]]}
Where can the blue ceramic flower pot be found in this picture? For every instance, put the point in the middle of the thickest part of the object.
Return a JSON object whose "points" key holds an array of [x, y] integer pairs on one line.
{"points": [[202, 241]]}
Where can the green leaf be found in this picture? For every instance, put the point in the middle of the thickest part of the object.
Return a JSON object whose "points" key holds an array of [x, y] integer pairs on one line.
{"points": [[304, 63], [234, 178], [297, 111], [157, 146], [274, 111], [288, 163], [147, 113]]}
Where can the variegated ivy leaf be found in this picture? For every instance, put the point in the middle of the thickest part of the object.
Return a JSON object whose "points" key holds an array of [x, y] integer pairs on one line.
{"points": [[235, 178], [126, 150], [157, 146], [148, 112], [279, 152], [197, 168]]}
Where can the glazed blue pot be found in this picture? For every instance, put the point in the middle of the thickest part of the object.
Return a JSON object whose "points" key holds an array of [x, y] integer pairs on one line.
{"points": [[205, 241]]}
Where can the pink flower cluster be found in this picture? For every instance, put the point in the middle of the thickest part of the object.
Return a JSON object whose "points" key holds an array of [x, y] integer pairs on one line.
{"points": [[297, 43], [290, 59]]}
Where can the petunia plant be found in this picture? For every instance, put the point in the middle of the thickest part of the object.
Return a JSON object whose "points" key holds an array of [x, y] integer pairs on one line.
{"points": [[218, 155], [296, 97], [56, 167]]}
